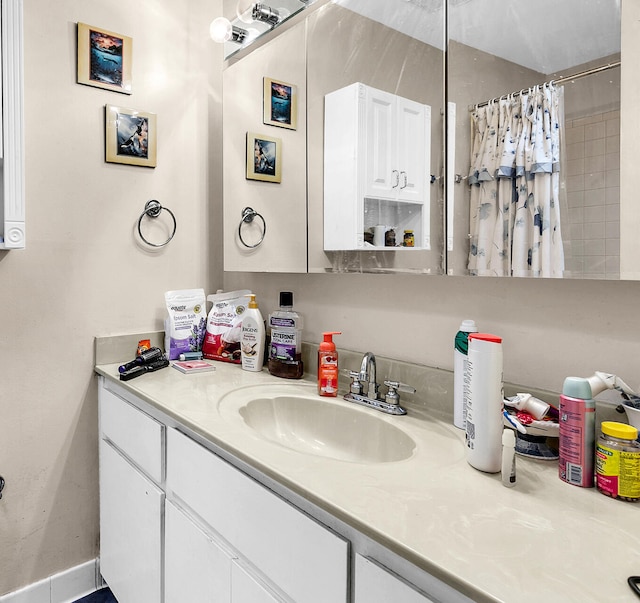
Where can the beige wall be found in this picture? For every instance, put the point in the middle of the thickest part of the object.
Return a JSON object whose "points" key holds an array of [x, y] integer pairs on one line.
{"points": [[82, 272]]}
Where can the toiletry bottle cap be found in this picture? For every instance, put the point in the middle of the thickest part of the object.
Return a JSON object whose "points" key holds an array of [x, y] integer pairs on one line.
{"points": [[468, 326], [252, 301], [486, 337], [577, 387], [286, 298], [327, 345]]}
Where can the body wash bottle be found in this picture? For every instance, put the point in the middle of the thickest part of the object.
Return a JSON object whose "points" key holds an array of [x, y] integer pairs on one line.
{"points": [[460, 357], [328, 366], [252, 337]]}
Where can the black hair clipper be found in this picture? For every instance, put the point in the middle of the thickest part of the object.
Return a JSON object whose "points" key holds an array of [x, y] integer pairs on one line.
{"points": [[141, 369]]}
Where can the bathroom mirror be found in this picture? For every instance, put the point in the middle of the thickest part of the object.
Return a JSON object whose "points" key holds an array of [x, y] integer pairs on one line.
{"points": [[555, 214], [493, 52], [395, 46]]}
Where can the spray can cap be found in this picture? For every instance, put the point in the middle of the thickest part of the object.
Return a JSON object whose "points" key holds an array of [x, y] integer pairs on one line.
{"points": [[577, 387], [327, 345]]}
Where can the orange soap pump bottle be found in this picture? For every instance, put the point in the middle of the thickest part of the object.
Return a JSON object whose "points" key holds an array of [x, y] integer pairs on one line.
{"points": [[328, 366]]}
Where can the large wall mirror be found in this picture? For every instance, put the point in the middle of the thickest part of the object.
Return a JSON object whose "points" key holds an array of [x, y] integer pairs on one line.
{"points": [[550, 76], [535, 170]]}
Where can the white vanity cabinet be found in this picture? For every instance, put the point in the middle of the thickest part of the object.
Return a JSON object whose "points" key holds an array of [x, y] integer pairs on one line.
{"points": [[131, 500], [181, 523], [376, 166]]}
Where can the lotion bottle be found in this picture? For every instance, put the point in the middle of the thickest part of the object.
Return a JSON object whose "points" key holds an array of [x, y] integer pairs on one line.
{"points": [[577, 418], [252, 337], [328, 366], [485, 402]]}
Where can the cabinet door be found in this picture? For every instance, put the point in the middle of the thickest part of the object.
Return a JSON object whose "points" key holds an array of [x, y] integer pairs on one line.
{"points": [[246, 589], [413, 158], [374, 584], [304, 559], [382, 174], [195, 568], [130, 530]]}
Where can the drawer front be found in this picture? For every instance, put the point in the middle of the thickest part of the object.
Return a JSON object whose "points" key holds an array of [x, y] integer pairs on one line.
{"points": [[136, 434], [374, 584], [301, 557]]}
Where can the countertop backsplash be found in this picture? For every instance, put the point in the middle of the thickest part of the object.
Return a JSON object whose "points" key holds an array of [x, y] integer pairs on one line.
{"points": [[434, 395]]}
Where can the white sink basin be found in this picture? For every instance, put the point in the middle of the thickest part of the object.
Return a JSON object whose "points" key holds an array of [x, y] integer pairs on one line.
{"points": [[295, 417]]}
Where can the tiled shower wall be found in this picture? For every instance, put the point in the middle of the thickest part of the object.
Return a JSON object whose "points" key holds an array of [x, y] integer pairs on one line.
{"points": [[593, 196]]}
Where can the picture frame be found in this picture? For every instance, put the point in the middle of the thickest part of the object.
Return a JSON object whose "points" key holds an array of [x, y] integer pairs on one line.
{"points": [[130, 136], [264, 158], [280, 104], [104, 59]]}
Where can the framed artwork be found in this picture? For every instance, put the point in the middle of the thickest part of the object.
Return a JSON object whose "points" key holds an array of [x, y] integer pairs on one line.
{"points": [[130, 136], [264, 158], [280, 102], [104, 59]]}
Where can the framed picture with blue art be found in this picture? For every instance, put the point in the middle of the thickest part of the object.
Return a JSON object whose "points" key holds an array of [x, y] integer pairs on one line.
{"points": [[280, 103], [264, 158], [130, 136], [104, 59]]}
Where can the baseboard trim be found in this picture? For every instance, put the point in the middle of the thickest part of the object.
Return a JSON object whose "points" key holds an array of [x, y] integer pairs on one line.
{"points": [[65, 587]]}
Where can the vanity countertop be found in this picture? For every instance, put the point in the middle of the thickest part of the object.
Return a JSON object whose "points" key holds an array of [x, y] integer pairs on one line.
{"points": [[543, 540]]}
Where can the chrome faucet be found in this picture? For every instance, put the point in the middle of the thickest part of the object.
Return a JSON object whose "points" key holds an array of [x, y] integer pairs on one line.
{"points": [[367, 375]]}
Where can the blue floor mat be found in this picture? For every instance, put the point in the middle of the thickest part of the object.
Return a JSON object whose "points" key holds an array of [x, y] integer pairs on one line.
{"points": [[101, 596]]}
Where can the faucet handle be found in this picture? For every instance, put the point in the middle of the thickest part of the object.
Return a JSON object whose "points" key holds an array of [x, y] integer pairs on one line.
{"points": [[356, 385], [392, 396], [401, 387]]}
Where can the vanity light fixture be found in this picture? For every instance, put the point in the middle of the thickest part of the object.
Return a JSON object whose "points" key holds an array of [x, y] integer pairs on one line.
{"points": [[221, 31], [266, 14]]}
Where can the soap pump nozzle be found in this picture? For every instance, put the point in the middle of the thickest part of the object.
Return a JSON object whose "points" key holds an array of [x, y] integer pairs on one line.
{"points": [[327, 345]]}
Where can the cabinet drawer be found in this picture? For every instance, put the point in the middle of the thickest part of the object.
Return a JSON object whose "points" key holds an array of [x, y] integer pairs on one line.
{"points": [[136, 434], [375, 584], [304, 559]]}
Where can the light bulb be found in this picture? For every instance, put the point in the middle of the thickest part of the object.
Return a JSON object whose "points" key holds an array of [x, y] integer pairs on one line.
{"points": [[244, 8], [220, 29]]}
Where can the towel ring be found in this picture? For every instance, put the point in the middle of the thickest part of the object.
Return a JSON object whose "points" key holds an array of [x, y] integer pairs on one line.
{"points": [[152, 209], [248, 214]]}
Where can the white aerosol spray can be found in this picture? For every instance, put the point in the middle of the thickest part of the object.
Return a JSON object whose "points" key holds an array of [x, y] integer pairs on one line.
{"points": [[460, 351], [485, 402]]}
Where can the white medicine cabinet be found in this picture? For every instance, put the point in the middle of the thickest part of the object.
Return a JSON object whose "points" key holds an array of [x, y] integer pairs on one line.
{"points": [[12, 211], [376, 173]]}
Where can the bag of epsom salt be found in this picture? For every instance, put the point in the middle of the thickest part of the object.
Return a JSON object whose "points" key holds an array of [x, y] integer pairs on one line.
{"points": [[224, 326], [186, 321]]}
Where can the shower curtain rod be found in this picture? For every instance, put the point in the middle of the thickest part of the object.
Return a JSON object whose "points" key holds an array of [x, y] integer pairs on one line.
{"points": [[560, 80]]}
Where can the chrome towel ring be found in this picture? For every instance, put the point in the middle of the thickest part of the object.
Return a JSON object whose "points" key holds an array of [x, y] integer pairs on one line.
{"points": [[152, 209], [248, 214]]}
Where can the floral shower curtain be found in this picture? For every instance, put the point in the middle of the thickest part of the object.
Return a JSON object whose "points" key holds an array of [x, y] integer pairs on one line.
{"points": [[515, 185]]}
